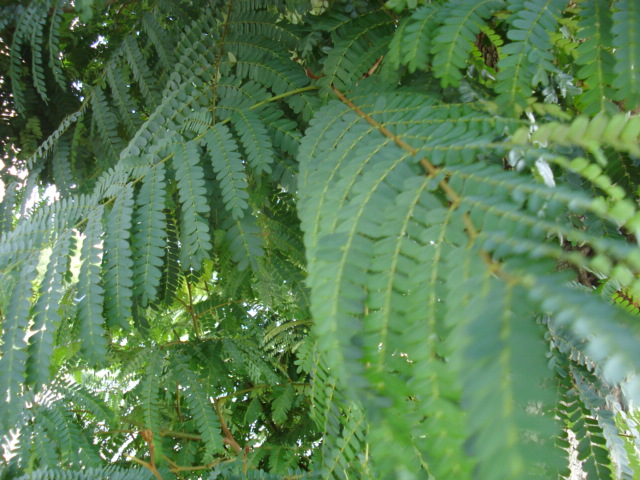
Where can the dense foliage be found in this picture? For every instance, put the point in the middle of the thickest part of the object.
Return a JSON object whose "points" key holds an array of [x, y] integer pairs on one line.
{"points": [[339, 239]]}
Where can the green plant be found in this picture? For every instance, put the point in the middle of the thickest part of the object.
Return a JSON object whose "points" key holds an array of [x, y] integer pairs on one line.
{"points": [[336, 239]]}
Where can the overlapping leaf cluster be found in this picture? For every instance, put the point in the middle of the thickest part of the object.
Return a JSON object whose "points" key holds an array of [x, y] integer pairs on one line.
{"points": [[305, 240]]}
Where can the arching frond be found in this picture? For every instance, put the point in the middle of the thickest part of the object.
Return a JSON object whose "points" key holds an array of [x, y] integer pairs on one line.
{"points": [[196, 241], [202, 410], [626, 40], [149, 235], [54, 45], [90, 292], [141, 71], [254, 137], [454, 39], [160, 38], [229, 170], [366, 166], [527, 60], [13, 363], [357, 47], [46, 317], [594, 56], [323, 240], [118, 278]]}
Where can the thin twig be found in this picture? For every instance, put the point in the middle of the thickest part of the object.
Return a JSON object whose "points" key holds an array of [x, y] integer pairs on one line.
{"points": [[146, 465], [190, 309]]}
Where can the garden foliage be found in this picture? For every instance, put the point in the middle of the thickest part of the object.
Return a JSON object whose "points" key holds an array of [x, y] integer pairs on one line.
{"points": [[332, 240]]}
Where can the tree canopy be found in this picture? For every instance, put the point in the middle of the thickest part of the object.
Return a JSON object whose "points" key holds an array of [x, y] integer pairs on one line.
{"points": [[247, 239]]}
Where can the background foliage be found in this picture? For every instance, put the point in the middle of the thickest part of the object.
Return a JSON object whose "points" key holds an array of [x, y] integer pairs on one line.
{"points": [[338, 239]]}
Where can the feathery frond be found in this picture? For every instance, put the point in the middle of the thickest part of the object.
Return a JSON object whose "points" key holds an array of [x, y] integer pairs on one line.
{"points": [[324, 240]]}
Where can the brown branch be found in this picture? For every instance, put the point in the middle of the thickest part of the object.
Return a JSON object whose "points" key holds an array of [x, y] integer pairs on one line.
{"points": [[228, 436], [175, 468], [162, 433], [147, 436], [375, 66], [152, 468]]}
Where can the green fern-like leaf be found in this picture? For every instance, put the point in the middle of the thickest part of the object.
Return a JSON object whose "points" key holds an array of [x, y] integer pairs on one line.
{"points": [[246, 353], [62, 169], [626, 40], [160, 38], [360, 305], [245, 242], [46, 318], [527, 58], [204, 415], [117, 78], [594, 56], [252, 21], [516, 378], [34, 232], [284, 132], [107, 124], [91, 403], [90, 291], [589, 435], [269, 64], [141, 71], [43, 447], [229, 169], [57, 427], [283, 403], [402, 287], [29, 21], [357, 47], [14, 355], [64, 432], [194, 231], [150, 396], [170, 278], [345, 426], [7, 207], [413, 39], [454, 39], [621, 132], [255, 140], [118, 279], [148, 236], [54, 46], [37, 62]]}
